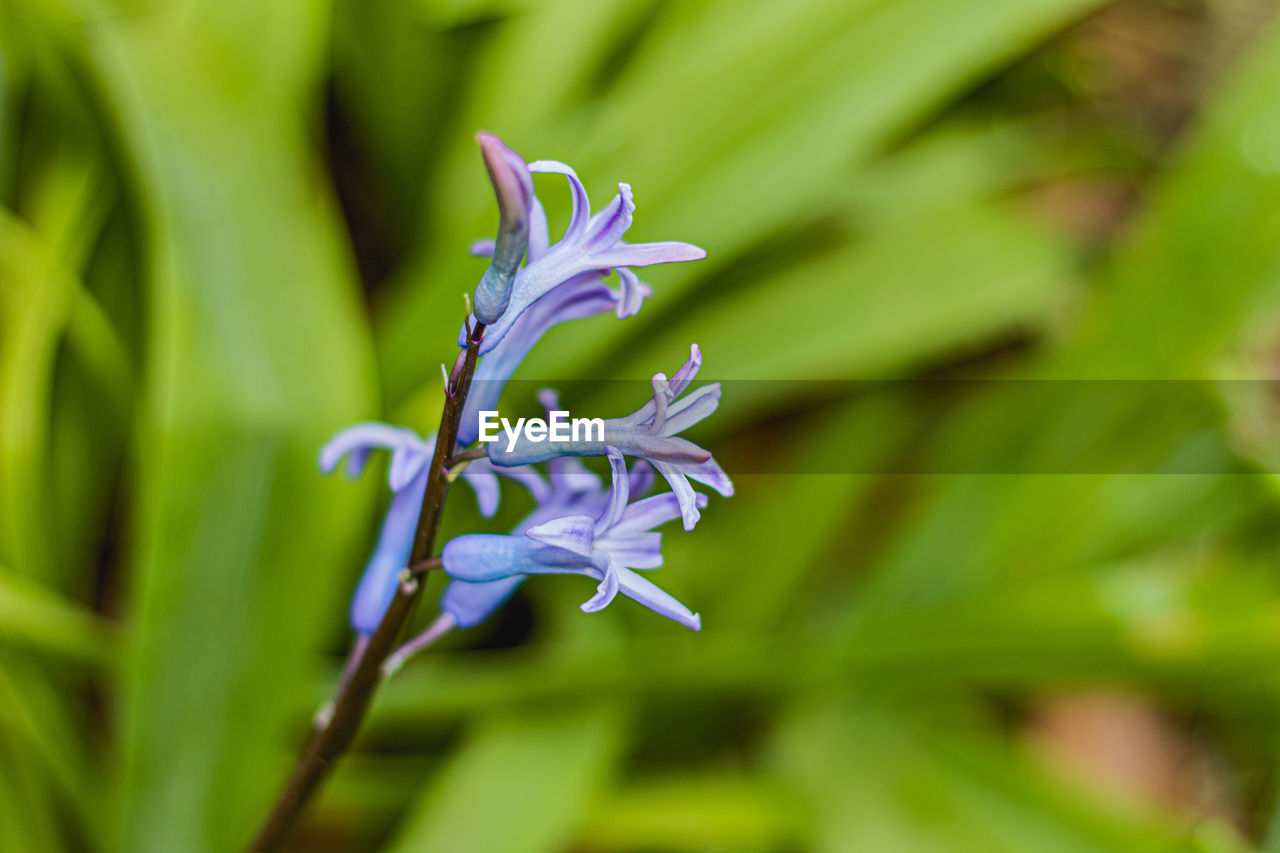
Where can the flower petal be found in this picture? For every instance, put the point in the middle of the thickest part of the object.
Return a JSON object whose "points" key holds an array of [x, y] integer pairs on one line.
{"points": [[574, 533], [581, 207], [713, 475], [539, 237], [581, 296], [635, 551], [684, 376], [406, 463], [481, 249], [472, 603], [632, 293], [697, 406], [381, 575], [360, 438], [640, 479], [484, 482], [607, 227], [668, 448], [647, 514], [638, 588], [619, 492], [647, 254], [605, 593], [482, 557], [685, 495]]}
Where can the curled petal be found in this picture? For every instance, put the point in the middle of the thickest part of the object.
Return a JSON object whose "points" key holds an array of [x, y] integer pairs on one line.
{"points": [[619, 493], [481, 249], [631, 293], [662, 396], [685, 495], [685, 375], [581, 207], [675, 386], [605, 592], [647, 514], [549, 399], [607, 227], [358, 439]]}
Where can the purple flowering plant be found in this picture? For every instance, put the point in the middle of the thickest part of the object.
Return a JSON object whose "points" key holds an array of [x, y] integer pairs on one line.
{"points": [[580, 524]]}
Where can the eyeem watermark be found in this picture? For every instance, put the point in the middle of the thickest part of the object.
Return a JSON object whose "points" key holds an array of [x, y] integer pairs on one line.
{"points": [[560, 427]]}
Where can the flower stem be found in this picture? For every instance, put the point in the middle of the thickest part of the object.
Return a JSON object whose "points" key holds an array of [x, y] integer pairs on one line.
{"points": [[467, 456], [443, 625], [355, 692]]}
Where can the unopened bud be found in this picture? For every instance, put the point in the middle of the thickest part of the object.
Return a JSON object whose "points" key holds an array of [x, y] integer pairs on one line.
{"points": [[513, 186]]}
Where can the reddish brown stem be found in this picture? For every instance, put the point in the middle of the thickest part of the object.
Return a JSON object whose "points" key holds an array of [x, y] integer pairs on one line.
{"points": [[332, 737]]}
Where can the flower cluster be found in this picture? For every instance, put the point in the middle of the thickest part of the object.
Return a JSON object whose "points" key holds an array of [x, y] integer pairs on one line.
{"points": [[579, 525]]}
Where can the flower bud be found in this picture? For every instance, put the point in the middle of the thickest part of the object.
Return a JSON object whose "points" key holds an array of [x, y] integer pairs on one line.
{"points": [[513, 186]]}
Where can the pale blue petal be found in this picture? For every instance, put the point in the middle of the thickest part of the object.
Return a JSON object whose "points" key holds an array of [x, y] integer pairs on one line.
{"points": [[581, 207], [638, 588], [573, 533]]}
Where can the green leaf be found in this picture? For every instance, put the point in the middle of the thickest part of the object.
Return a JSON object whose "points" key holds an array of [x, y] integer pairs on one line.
{"points": [[843, 79], [917, 786], [33, 615], [521, 783], [257, 351]]}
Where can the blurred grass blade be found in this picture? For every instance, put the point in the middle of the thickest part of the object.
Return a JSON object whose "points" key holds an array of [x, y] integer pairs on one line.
{"points": [[844, 87], [520, 784], [34, 616], [257, 351]]}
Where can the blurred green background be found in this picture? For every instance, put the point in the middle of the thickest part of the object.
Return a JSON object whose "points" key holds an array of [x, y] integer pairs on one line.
{"points": [[230, 228]]}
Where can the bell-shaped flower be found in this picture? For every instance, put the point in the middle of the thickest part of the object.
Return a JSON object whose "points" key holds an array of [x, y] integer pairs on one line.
{"points": [[583, 296], [570, 489], [407, 475], [650, 433], [609, 546], [591, 244]]}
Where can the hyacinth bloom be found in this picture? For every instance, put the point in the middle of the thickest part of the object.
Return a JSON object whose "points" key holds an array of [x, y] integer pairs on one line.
{"points": [[407, 476], [591, 246], [583, 296], [609, 546], [649, 433], [572, 490]]}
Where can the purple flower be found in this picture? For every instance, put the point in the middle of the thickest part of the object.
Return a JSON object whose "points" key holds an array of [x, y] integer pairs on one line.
{"points": [[591, 245], [407, 476], [572, 490], [609, 545], [582, 296], [513, 186], [649, 433]]}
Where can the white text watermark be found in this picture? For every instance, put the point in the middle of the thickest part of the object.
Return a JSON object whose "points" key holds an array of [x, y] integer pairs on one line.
{"points": [[558, 427]]}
